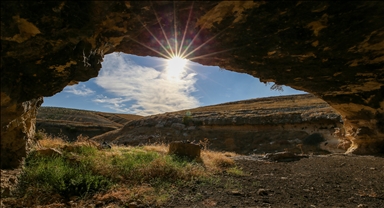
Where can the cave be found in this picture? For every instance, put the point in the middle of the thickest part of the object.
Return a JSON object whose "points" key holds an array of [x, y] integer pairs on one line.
{"points": [[333, 50]]}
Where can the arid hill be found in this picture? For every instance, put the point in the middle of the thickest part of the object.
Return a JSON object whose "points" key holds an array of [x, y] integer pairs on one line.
{"points": [[71, 123], [297, 123]]}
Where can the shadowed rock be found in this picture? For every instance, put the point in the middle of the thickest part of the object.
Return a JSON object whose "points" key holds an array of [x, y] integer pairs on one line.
{"points": [[185, 149], [331, 49]]}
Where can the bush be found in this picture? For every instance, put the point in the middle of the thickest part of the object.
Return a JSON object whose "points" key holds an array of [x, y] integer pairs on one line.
{"points": [[187, 120]]}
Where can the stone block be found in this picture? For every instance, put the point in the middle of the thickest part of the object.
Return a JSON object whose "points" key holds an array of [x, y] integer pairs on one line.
{"points": [[185, 149]]}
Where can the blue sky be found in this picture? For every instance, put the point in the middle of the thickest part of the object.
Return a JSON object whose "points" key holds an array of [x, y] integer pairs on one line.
{"points": [[148, 85]]}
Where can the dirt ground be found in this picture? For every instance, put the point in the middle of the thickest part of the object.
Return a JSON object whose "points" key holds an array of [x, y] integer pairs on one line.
{"points": [[318, 181], [335, 180]]}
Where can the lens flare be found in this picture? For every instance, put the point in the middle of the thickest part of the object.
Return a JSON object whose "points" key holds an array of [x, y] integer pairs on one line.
{"points": [[178, 52], [175, 67]]}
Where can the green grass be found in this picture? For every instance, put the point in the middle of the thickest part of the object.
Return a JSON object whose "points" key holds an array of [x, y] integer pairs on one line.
{"points": [[236, 171], [57, 175], [146, 166], [121, 173]]}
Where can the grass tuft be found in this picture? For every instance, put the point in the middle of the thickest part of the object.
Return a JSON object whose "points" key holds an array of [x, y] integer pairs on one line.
{"points": [[56, 175], [216, 161]]}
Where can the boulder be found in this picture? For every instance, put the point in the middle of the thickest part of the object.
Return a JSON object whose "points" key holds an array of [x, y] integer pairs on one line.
{"points": [[185, 149], [283, 157]]}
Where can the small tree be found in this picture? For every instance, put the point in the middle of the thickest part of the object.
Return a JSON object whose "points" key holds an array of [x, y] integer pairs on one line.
{"points": [[277, 87]]}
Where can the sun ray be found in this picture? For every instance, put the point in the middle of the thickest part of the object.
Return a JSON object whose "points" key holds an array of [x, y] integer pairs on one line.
{"points": [[194, 38], [203, 44], [213, 53], [162, 29], [185, 29], [158, 52], [211, 80], [175, 28], [157, 40], [177, 52]]}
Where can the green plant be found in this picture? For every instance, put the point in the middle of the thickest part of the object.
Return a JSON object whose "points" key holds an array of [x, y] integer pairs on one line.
{"points": [[124, 173], [150, 166], [58, 175], [235, 171], [187, 120], [129, 162]]}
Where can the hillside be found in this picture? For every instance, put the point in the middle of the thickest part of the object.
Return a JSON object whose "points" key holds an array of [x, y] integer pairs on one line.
{"points": [[297, 123], [71, 123]]}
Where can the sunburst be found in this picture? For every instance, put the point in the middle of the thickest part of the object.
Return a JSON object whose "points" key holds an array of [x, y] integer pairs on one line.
{"points": [[178, 53], [175, 67]]}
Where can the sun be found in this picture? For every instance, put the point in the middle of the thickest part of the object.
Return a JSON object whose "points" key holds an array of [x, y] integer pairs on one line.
{"points": [[175, 67]]}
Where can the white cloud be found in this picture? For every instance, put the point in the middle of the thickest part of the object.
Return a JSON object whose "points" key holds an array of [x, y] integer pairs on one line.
{"points": [[151, 91], [79, 89]]}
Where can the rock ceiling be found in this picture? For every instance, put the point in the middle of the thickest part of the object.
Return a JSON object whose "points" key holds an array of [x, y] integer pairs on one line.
{"points": [[331, 49]]}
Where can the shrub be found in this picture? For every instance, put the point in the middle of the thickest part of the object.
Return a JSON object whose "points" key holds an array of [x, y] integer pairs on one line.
{"points": [[187, 120], [190, 121]]}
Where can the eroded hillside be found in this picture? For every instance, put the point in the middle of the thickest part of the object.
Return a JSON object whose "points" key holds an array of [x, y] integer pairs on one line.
{"points": [[71, 123], [300, 123]]}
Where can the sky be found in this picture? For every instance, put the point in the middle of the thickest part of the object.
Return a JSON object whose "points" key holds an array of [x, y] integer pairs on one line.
{"points": [[149, 85]]}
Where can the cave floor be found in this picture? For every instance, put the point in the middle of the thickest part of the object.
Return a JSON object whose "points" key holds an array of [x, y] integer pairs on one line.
{"points": [[334, 180], [318, 181]]}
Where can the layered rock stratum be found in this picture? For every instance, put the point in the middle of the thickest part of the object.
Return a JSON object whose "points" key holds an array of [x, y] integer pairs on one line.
{"points": [[334, 50], [298, 124]]}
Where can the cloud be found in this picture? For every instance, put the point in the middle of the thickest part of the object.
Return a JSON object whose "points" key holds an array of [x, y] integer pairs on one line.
{"points": [[80, 90], [147, 90]]}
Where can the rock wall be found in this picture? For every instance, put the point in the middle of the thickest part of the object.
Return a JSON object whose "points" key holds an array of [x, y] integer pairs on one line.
{"points": [[18, 127], [334, 50]]}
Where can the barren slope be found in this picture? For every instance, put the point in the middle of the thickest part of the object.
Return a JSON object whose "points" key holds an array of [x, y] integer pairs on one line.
{"points": [[71, 122], [249, 126]]}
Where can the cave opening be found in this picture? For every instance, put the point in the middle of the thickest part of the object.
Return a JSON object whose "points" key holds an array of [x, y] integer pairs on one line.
{"points": [[292, 44], [149, 85]]}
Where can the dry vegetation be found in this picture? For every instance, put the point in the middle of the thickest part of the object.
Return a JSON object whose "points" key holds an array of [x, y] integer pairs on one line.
{"points": [[268, 105], [73, 122], [83, 173], [84, 116]]}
